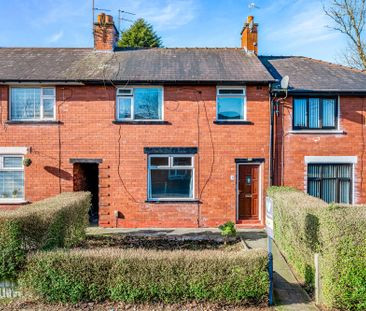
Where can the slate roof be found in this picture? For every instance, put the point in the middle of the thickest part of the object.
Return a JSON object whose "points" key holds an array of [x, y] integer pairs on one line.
{"points": [[133, 65], [307, 74]]}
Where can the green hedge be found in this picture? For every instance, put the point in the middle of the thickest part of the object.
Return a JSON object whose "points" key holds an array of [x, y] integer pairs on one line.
{"points": [[305, 225], [343, 257], [148, 276], [296, 229], [59, 221]]}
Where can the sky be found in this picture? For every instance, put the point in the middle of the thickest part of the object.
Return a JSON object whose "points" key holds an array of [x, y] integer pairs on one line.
{"points": [[286, 27]]}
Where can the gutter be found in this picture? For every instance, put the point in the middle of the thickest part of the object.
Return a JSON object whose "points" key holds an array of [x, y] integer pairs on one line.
{"points": [[138, 82], [327, 92], [31, 82]]}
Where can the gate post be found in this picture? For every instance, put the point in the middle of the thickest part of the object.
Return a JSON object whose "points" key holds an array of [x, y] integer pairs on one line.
{"points": [[317, 278]]}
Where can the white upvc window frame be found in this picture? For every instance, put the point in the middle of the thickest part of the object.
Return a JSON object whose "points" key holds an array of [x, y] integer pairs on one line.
{"points": [[11, 200], [170, 167], [132, 97], [244, 96], [42, 98]]}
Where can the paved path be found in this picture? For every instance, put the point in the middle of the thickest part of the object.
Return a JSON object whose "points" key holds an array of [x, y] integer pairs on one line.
{"points": [[288, 293]]}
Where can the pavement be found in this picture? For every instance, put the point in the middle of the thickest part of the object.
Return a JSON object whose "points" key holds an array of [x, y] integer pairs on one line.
{"points": [[288, 293]]}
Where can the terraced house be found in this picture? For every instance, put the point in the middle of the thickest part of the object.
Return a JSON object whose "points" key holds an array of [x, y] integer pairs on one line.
{"points": [[167, 137], [319, 141]]}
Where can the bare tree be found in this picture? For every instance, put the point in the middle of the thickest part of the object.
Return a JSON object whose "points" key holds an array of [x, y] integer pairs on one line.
{"points": [[349, 18]]}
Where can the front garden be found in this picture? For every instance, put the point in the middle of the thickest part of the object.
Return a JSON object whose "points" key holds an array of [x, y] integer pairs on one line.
{"points": [[45, 251]]}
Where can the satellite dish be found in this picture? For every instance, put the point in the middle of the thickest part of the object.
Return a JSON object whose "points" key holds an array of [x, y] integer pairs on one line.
{"points": [[284, 82]]}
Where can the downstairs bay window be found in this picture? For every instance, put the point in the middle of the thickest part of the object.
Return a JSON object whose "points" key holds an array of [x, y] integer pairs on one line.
{"points": [[171, 177], [331, 182], [32, 103], [11, 178]]}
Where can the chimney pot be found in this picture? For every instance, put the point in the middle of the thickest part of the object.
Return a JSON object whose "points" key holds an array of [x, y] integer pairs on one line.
{"points": [[101, 18], [109, 19]]}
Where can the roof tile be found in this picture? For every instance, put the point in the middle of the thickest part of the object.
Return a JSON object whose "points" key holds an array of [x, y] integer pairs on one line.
{"points": [[307, 74], [138, 65]]}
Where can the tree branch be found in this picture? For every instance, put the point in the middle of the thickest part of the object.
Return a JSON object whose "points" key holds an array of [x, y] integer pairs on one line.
{"points": [[349, 17]]}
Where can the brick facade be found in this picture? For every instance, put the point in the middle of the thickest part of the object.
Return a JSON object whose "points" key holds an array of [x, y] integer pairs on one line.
{"points": [[85, 130], [291, 149]]}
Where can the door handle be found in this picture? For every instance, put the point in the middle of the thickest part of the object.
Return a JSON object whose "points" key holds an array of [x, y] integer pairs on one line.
{"points": [[248, 195]]}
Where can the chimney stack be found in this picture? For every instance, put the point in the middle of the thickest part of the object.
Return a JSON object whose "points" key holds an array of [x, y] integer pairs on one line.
{"points": [[249, 36], [105, 33]]}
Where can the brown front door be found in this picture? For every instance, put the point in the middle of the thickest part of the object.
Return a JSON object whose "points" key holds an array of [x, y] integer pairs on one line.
{"points": [[248, 182]]}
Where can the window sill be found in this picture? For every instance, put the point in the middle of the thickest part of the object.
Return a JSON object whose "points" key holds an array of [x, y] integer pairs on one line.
{"points": [[237, 122], [173, 201], [325, 132], [143, 122], [13, 201], [10, 122]]}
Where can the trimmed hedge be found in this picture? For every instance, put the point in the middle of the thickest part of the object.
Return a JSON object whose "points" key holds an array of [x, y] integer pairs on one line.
{"points": [[59, 221], [343, 260], [305, 225], [296, 229], [147, 276]]}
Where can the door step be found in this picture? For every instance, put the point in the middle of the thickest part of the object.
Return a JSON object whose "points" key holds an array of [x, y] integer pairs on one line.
{"points": [[248, 221], [250, 226]]}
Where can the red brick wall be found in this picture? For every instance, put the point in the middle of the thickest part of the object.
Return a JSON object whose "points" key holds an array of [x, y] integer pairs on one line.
{"points": [[86, 131], [296, 146]]}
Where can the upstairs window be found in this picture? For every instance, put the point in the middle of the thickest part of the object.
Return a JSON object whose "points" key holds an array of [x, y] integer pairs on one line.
{"points": [[314, 113], [331, 182], [32, 104], [11, 178], [140, 103], [231, 104], [171, 177]]}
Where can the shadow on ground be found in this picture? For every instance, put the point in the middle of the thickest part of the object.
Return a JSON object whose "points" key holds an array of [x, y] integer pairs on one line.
{"points": [[287, 293]]}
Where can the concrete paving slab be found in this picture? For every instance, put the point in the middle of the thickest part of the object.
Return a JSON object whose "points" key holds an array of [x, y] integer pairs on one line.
{"points": [[288, 293]]}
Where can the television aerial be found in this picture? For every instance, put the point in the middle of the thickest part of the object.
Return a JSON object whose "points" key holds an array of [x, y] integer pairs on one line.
{"points": [[121, 18], [252, 6], [94, 9]]}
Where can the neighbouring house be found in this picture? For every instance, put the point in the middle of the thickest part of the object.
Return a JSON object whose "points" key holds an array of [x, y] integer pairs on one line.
{"points": [[319, 141], [176, 137]]}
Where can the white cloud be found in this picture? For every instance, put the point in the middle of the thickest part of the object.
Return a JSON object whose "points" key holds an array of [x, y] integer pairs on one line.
{"points": [[169, 14], [56, 37], [62, 11], [307, 25]]}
